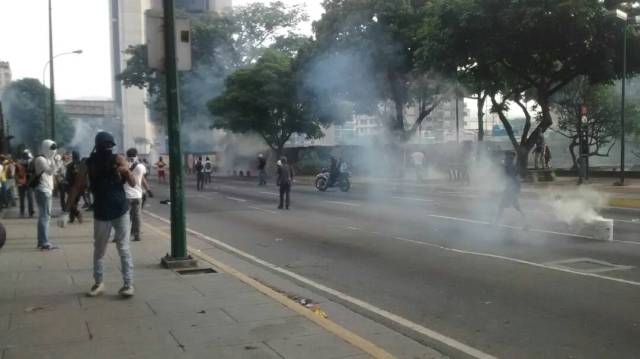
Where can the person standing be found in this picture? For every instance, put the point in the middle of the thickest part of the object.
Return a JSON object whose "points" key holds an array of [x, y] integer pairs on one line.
{"points": [[199, 168], [135, 193], [285, 179], [11, 182], [45, 168], [547, 156], [107, 173], [539, 152], [262, 170], [161, 166], [22, 181], [63, 185], [208, 169], [418, 163]]}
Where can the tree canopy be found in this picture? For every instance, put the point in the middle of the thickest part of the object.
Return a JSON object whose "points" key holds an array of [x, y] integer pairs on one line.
{"points": [[263, 98]]}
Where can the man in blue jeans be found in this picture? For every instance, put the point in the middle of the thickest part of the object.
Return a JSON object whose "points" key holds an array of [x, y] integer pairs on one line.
{"points": [[107, 173], [45, 167]]}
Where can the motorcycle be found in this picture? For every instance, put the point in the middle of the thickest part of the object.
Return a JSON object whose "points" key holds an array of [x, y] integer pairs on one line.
{"points": [[323, 180]]}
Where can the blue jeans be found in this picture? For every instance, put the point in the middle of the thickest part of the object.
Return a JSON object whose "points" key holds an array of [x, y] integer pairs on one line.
{"points": [[43, 200], [101, 234]]}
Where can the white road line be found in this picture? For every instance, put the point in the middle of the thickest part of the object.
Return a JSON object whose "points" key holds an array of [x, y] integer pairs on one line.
{"points": [[353, 228], [413, 199], [626, 221], [510, 227], [345, 203], [262, 209], [274, 193], [473, 352], [235, 199], [520, 261]]}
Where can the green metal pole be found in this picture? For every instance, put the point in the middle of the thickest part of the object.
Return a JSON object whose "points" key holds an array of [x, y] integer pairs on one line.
{"points": [[178, 232], [52, 93], [624, 85]]}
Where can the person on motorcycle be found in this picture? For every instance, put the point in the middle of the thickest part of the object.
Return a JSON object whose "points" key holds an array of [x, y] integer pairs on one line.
{"points": [[334, 171]]}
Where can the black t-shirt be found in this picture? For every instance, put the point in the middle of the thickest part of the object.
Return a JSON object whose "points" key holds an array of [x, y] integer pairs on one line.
{"points": [[107, 186]]}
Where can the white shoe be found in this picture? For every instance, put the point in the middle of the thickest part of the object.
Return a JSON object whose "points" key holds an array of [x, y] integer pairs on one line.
{"points": [[126, 291], [96, 290]]}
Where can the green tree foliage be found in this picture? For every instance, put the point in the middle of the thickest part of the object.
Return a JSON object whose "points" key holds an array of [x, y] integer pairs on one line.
{"points": [[525, 50], [24, 108], [369, 47], [263, 98]]}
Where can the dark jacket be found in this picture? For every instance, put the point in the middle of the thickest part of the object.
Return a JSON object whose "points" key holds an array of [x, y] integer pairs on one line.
{"points": [[285, 174]]}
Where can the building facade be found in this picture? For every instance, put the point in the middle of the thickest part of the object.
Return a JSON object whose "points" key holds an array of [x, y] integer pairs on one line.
{"points": [[88, 118], [5, 74]]}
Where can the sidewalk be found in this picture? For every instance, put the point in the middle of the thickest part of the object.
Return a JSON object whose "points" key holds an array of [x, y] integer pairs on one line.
{"points": [[44, 312]]}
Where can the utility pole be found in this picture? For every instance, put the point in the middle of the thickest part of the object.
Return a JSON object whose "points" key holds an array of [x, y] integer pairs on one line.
{"points": [[52, 92], [179, 256], [457, 118], [624, 86]]}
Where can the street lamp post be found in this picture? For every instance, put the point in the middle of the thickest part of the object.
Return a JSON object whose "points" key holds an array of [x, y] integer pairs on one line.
{"points": [[52, 96]]}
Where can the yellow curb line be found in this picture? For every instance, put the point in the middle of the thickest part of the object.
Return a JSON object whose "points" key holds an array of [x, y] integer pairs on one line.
{"points": [[342, 333], [625, 202]]}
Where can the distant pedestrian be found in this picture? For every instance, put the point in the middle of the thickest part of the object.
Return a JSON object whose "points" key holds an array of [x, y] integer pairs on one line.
{"points": [[547, 156], [10, 170], [285, 179], [22, 181], [538, 152], [199, 168], [107, 173], [73, 168], [208, 169], [161, 168], [44, 169], [262, 170], [61, 179], [512, 189], [418, 163]]}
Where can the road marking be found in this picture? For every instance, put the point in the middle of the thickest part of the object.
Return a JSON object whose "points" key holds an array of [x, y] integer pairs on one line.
{"points": [[413, 199], [450, 342], [626, 221], [353, 228], [520, 261], [235, 199], [262, 209], [345, 203], [329, 325], [510, 227], [274, 193]]}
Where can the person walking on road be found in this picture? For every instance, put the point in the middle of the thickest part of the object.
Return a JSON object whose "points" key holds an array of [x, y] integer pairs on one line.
{"points": [[418, 164], [208, 169], [44, 169], [161, 167], [199, 168], [107, 173], [285, 179], [22, 181], [262, 170], [135, 193], [547, 156], [511, 191]]}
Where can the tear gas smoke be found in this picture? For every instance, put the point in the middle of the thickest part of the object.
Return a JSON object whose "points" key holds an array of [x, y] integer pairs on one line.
{"points": [[576, 206]]}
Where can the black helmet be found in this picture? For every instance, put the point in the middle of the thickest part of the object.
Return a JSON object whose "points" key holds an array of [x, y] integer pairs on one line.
{"points": [[132, 152], [105, 140]]}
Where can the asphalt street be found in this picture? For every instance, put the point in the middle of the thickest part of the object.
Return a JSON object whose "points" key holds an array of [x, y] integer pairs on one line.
{"points": [[432, 258]]}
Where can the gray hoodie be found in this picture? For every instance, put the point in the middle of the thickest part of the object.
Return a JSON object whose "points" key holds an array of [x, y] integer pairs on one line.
{"points": [[45, 163]]}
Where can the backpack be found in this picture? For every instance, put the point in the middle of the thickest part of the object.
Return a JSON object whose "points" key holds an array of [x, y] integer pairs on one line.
{"points": [[207, 166], [33, 179]]}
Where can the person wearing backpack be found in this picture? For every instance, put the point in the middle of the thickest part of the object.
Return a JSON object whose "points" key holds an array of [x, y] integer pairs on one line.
{"points": [[107, 173], [22, 182], [135, 193], [44, 169]]}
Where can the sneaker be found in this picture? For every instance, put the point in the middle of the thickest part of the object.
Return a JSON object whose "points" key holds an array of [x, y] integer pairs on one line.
{"points": [[48, 247], [136, 239], [96, 290], [126, 291]]}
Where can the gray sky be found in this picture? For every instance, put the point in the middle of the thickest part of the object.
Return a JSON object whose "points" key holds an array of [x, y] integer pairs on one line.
{"points": [[78, 24]]}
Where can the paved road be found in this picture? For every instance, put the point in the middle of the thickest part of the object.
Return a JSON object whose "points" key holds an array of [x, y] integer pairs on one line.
{"points": [[429, 257]]}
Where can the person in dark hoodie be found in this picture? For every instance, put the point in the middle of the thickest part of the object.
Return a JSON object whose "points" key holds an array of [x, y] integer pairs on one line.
{"points": [[285, 179], [107, 173]]}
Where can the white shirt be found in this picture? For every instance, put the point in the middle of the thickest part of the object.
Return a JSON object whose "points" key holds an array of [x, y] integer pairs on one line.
{"points": [[136, 192], [48, 168]]}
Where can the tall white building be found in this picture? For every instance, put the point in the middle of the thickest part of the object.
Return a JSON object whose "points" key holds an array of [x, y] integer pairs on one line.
{"points": [[128, 29], [5, 74]]}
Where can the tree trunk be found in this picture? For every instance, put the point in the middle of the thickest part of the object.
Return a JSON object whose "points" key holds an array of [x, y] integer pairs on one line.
{"points": [[480, 103], [572, 151], [523, 161]]}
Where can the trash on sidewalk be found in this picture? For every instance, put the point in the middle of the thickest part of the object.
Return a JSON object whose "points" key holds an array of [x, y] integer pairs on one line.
{"points": [[166, 201], [33, 309], [309, 304]]}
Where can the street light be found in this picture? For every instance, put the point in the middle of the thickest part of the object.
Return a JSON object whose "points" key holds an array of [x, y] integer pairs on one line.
{"points": [[53, 96], [628, 20]]}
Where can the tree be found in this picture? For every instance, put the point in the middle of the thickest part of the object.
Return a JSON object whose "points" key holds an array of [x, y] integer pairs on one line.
{"points": [[525, 50], [25, 114], [603, 127], [263, 98], [364, 53]]}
